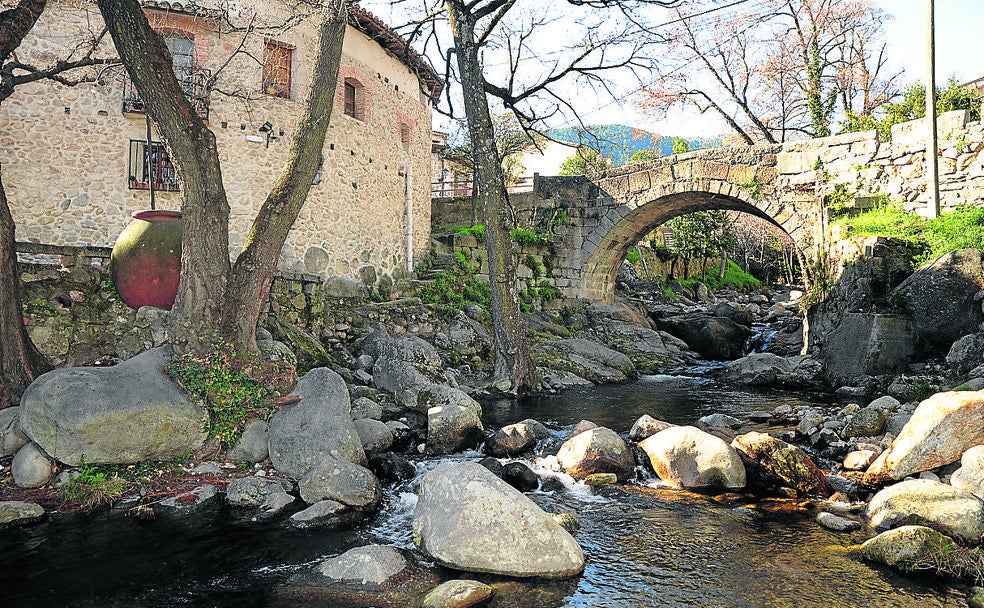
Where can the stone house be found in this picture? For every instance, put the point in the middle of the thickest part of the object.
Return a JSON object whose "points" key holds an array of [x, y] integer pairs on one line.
{"points": [[78, 161]]}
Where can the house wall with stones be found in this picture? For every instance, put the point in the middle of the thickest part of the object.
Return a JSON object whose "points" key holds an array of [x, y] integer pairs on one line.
{"points": [[65, 151]]}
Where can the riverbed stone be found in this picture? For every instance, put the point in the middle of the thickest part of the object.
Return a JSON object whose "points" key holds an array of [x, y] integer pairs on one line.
{"points": [[970, 475], [931, 501], [520, 476], [836, 522], [31, 467], [867, 422], [454, 420], [18, 513], [941, 429], [125, 413], [598, 450], [404, 365], [303, 434], [11, 437], [646, 426], [263, 498], [468, 337], [687, 457], [767, 369], [372, 575], [468, 519], [323, 514], [189, 503], [586, 359], [375, 436], [716, 338], [772, 463], [342, 481], [516, 438], [457, 593], [364, 407], [940, 297], [253, 445], [859, 460], [902, 546]]}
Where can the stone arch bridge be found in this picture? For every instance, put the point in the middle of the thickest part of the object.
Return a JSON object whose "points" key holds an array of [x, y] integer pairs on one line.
{"points": [[788, 185]]}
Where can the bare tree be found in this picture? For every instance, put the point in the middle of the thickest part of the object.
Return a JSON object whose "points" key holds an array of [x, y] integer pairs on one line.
{"points": [[20, 361], [216, 299]]}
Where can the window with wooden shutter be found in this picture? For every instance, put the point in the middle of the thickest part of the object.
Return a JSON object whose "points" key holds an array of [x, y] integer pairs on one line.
{"points": [[276, 69]]}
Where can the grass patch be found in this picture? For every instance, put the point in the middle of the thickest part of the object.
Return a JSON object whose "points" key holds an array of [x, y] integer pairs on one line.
{"points": [[734, 277], [452, 290], [477, 231], [524, 236], [92, 488], [960, 228], [947, 558]]}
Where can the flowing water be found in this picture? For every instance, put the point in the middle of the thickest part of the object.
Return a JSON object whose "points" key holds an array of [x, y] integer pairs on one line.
{"points": [[645, 546]]}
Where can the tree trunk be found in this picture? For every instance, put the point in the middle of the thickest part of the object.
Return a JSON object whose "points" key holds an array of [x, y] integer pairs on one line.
{"points": [[205, 267], [513, 369], [255, 267], [20, 361]]}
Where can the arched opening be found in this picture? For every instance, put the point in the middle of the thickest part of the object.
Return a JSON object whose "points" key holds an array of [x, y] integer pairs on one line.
{"points": [[629, 227]]}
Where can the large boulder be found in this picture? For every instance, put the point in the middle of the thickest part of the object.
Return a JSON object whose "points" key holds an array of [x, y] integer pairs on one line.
{"points": [[648, 349], [928, 501], [587, 359], [468, 519], [344, 482], [302, 434], [598, 450], [372, 575], [687, 457], [940, 297], [867, 344], [516, 438], [941, 429], [717, 338], [903, 546], [454, 420], [404, 365], [966, 353], [126, 413], [771, 462], [468, 337], [767, 369], [646, 426], [970, 476]]}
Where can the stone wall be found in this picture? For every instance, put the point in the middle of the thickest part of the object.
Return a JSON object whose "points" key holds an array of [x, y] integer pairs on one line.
{"points": [[65, 150]]}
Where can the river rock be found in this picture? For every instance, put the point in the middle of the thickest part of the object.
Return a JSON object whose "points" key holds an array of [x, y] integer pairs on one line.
{"points": [[586, 359], [126, 413], [392, 467], [17, 513], [30, 468], [468, 337], [903, 546], [646, 426], [457, 594], [970, 475], [649, 350], [323, 514], [776, 463], [516, 438], [687, 457], [454, 420], [11, 437], [375, 436], [520, 476], [197, 500], [468, 519], [941, 429], [966, 353], [717, 338], [372, 575], [867, 344], [836, 522], [866, 422], [404, 365], [767, 369], [263, 498], [351, 484], [302, 434], [859, 460], [715, 423], [598, 450], [931, 501], [253, 445], [364, 407], [738, 315], [940, 297]]}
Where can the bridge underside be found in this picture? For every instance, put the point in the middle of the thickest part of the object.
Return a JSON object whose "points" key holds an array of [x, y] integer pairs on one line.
{"points": [[602, 261]]}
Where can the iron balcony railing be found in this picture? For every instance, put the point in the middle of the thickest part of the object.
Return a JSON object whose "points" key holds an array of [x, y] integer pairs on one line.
{"points": [[197, 87]]}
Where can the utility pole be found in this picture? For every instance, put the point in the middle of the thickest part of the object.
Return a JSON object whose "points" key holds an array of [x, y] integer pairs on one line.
{"points": [[932, 166]]}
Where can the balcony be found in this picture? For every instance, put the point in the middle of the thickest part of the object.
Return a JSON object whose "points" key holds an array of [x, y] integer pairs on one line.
{"points": [[196, 85]]}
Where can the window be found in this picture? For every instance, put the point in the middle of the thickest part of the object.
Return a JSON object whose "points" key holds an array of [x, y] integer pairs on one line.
{"points": [[276, 69], [151, 165], [406, 135], [350, 107], [194, 80]]}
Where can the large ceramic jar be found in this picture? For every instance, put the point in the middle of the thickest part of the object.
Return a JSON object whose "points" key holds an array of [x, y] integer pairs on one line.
{"points": [[146, 259]]}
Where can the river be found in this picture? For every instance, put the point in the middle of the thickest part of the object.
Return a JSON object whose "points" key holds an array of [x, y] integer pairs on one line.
{"points": [[645, 546]]}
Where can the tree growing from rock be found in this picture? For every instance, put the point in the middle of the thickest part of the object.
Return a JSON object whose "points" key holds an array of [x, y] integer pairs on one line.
{"points": [[218, 299], [20, 361]]}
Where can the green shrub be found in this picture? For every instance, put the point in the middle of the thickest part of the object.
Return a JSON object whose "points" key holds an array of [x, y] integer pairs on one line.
{"points": [[524, 236], [734, 277], [477, 231], [633, 256], [91, 488]]}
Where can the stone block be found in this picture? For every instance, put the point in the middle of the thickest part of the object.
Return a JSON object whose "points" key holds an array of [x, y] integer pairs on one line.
{"points": [[796, 162], [867, 344]]}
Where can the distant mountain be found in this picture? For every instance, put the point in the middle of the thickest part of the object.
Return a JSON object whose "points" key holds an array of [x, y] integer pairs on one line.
{"points": [[620, 142]]}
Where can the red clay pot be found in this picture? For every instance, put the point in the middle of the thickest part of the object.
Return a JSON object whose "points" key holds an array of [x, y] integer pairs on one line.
{"points": [[146, 259]]}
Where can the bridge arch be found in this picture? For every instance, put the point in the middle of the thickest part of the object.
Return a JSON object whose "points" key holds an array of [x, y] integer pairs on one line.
{"points": [[624, 225]]}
